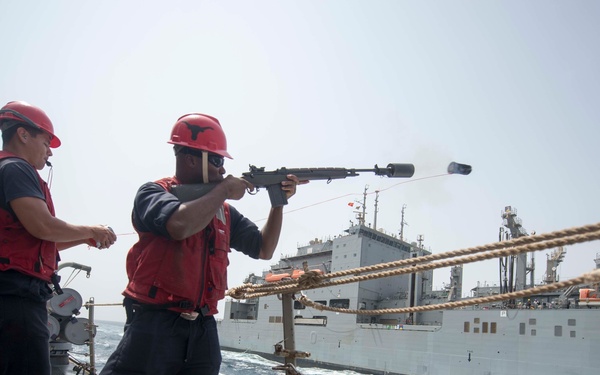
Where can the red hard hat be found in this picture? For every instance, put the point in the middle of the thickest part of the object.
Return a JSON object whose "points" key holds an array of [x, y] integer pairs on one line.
{"points": [[201, 132], [30, 115]]}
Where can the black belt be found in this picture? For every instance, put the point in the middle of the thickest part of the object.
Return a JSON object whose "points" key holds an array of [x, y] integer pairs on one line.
{"points": [[135, 305]]}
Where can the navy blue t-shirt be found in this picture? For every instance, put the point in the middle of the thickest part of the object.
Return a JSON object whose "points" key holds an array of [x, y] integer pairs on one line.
{"points": [[153, 206], [19, 179]]}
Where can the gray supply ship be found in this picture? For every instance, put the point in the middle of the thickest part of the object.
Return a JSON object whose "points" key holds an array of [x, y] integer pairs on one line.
{"points": [[554, 333]]}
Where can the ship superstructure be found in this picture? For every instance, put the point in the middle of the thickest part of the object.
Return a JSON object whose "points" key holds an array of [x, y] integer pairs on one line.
{"points": [[483, 339]]}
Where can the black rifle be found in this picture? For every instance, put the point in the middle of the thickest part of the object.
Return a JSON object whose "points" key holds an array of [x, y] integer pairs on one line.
{"points": [[272, 179]]}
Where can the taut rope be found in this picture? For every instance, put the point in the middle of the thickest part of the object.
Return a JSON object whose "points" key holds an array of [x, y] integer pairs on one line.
{"points": [[313, 280]]}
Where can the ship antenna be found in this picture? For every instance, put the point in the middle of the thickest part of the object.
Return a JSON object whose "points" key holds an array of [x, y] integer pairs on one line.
{"points": [[360, 215], [402, 224], [364, 206], [376, 209]]}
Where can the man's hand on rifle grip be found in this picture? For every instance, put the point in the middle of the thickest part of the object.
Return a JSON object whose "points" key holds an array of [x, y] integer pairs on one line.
{"points": [[289, 185]]}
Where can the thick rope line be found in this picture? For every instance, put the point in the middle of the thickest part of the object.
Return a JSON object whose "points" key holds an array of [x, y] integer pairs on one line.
{"points": [[311, 280], [587, 278], [428, 258]]}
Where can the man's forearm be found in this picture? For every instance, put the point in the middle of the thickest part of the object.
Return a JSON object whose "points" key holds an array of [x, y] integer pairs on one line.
{"points": [[270, 233]]}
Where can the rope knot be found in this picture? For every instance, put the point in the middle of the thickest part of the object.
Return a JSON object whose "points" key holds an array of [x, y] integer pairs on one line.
{"points": [[238, 292], [309, 279]]}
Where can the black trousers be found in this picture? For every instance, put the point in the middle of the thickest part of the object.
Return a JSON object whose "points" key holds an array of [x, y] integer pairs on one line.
{"points": [[160, 342], [24, 337]]}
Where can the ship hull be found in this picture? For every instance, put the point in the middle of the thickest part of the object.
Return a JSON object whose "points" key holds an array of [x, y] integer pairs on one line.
{"points": [[532, 342]]}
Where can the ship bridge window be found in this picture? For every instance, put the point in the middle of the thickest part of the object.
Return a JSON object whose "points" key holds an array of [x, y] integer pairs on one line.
{"points": [[324, 303], [343, 303], [298, 305]]}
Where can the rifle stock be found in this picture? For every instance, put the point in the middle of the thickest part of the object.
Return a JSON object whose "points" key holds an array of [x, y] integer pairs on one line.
{"points": [[271, 180]]}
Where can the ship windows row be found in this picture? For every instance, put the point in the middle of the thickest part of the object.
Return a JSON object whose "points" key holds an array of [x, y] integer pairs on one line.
{"points": [[342, 303], [317, 320], [484, 327], [558, 330], [491, 327]]}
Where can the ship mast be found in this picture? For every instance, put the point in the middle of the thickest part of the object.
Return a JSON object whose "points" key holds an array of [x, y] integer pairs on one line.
{"points": [[420, 240], [517, 265], [376, 209], [402, 224], [360, 215]]}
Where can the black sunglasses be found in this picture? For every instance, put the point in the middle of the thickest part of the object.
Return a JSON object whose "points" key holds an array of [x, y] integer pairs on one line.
{"points": [[214, 159]]}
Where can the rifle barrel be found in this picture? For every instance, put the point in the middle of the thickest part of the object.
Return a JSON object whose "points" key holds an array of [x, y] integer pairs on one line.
{"points": [[392, 170]]}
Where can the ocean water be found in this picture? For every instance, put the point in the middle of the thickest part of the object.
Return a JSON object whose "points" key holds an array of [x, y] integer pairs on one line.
{"points": [[109, 334]]}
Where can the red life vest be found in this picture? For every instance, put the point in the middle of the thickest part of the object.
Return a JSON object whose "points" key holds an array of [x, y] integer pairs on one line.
{"points": [[181, 275], [19, 250]]}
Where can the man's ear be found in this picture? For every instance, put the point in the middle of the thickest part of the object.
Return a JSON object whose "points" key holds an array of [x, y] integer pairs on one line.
{"points": [[23, 134], [191, 161]]}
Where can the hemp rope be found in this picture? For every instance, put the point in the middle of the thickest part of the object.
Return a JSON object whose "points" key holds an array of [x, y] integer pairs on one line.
{"points": [[590, 277], [313, 280]]}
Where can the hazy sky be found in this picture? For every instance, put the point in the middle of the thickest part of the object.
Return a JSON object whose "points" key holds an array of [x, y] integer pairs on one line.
{"points": [[510, 87]]}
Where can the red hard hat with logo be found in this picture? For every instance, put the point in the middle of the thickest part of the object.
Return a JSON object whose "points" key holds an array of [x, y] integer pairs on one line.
{"points": [[30, 115], [202, 132]]}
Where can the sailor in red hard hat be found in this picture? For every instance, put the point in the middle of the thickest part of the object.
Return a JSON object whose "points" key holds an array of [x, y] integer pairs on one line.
{"points": [[177, 270], [30, 238]]}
